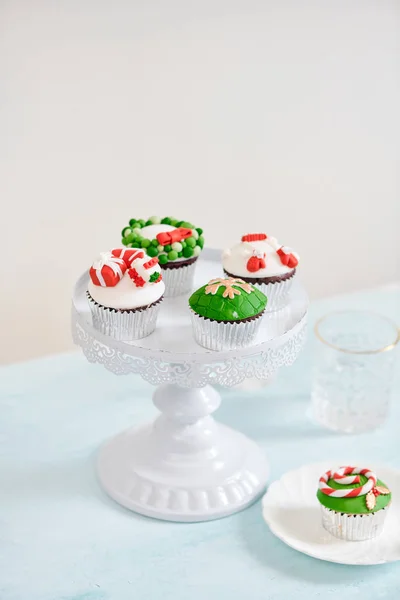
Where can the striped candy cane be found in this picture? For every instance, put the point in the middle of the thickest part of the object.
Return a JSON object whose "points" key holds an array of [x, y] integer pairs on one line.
{"points": [[344, 476], [128, 255]]}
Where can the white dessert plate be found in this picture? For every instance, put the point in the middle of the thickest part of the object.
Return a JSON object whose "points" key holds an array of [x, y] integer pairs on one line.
{"points": [[292, 512]]}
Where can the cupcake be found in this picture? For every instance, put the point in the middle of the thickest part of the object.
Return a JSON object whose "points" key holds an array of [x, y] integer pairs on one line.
{"points": [[125, 293], [177, 244], [226, 313], [354, 503], [260, 260]]}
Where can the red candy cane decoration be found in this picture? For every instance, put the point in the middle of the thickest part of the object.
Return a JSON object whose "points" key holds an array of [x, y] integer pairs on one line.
{"points": [[347, 475], [128, 255]]}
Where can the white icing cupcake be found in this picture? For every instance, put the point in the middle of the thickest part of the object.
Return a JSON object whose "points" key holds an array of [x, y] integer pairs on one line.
{"points": [[125, 293], [260, 260]]}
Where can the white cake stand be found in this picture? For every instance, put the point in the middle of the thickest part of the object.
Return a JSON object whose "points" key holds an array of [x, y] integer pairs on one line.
{"points": [[185, 466]]}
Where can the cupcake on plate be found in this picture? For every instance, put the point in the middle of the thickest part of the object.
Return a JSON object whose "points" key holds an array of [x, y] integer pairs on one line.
{"points": [[176, 244], [226, 313], [262, 261], [354, 503], [125, 293]]}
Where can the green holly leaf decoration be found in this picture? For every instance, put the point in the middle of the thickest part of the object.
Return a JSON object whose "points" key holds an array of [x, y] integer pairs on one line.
{"points": [[154, 276]]}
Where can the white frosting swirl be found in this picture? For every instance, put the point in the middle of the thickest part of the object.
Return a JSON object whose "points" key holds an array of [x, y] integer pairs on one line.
{"points": [[134, 290], [125, 295]]}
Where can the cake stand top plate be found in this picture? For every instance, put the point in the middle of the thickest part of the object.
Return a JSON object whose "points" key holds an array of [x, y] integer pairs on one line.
{"points": [[172, 349]]}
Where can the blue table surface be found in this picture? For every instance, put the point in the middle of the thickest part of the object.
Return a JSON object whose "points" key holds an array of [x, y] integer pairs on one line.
{"points": [[61, 538]]}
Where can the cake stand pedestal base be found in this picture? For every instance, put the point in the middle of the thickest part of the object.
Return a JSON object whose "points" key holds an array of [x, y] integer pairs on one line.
{"points": [[184, 466]]}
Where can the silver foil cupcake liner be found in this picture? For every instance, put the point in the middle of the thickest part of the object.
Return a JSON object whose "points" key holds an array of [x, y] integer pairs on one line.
{"points": [[179, 280], [219, 335], [124, 325], [277, 293], [354, 528]]}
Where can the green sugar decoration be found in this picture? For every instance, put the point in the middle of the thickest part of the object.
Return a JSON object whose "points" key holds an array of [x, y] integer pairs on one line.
{"points": [[154, 276], [228, 300], [188, 248]]}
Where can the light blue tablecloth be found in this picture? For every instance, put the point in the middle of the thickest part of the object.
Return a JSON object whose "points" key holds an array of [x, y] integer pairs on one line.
{"points": [[61, 538]]}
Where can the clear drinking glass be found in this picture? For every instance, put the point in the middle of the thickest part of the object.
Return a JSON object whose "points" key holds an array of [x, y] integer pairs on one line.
{"points": [[353, 370]]}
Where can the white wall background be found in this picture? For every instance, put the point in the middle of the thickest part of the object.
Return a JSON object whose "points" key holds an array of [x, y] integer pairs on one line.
{"points": [[233, 114]]}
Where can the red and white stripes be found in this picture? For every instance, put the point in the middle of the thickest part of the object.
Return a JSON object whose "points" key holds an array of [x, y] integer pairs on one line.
{"points": [[110, 267], [128, 255], [344, 476], [107, 270]]}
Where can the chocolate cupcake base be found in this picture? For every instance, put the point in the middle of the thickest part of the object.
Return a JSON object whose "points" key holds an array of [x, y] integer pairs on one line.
{"points": [[276, 288], [124, 325], [178, 277]]}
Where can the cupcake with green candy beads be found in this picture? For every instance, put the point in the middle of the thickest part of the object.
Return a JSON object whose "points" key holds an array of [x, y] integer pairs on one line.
{"points": [[354, 503], [226, 313], [176, 244]]}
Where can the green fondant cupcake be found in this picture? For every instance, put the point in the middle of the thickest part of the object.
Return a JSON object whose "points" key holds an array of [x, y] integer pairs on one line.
{"points": [[226, 313], [354, 503], [177, 244]]}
